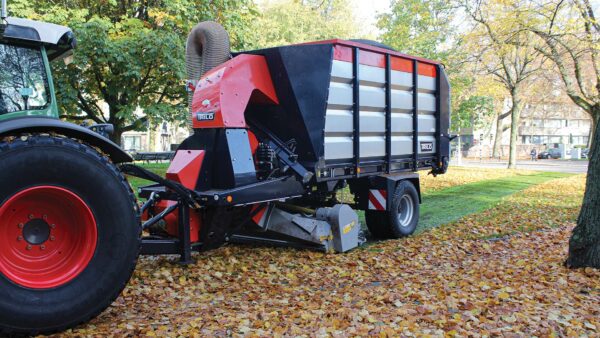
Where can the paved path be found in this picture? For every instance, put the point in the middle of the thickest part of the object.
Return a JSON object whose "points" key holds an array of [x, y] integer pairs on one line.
{"points": [[563, 166]]}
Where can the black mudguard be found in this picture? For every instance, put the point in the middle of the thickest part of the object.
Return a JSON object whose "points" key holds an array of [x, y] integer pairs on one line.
{"points": [[50, 125], [360, 187]]}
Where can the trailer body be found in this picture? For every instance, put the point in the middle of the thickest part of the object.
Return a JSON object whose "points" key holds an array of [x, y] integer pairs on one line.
{"points": [[347, 118], [289, 127], [351, 106]]}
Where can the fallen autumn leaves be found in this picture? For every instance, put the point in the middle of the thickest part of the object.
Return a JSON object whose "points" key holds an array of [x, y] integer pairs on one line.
{"points": [[498, 272]]}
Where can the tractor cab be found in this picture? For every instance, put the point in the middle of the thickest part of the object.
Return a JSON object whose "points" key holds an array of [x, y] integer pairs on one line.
{"points": [[26, 48]]}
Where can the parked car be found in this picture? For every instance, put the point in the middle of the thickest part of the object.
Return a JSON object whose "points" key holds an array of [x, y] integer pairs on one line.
{"points": [[550, 153], [585, 153]]}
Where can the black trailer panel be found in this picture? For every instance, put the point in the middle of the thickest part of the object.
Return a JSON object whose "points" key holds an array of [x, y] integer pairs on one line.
{"points": [[350, 115]]}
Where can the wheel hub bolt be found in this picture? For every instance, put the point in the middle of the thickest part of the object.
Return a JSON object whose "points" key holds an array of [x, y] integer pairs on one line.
{"points": [[21, 225], [43, 247], [31, 216], [29, 247], [52, 226], [45, 217], [20, 238], [52, 238]]}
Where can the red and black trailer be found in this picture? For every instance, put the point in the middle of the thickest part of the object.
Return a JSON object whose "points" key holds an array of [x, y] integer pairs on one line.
{"points": [[279, 132], [276, 135]]}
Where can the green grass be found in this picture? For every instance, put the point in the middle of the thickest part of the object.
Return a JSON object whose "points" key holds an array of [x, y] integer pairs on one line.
{"points": [[157, 168], [448, 205]]}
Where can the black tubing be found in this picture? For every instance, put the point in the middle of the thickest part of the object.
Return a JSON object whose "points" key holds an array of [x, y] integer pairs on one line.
{"points": [[207, 47]]}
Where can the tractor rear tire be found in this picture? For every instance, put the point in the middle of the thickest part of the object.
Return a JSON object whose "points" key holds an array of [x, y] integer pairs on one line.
{"points": [[69, 234], [402, 219]]}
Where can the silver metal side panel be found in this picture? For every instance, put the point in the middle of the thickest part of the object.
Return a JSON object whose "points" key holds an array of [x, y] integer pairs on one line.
{"points": [[339, 117], [340, 96], [338, 147]]}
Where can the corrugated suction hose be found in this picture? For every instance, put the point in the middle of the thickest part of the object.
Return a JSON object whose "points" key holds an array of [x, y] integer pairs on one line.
{"points": [[207, 47]]}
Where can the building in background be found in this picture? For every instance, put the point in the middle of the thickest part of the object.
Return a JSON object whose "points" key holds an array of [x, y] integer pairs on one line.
{"points": [[554, 125], [544, 126], [161, 138]]}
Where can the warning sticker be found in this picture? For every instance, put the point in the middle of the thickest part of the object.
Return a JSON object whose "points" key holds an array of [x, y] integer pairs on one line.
{"points": [[348, 227]]}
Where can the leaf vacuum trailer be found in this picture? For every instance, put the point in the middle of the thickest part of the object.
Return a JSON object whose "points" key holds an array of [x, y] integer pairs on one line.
{"points": [[277, 133]]}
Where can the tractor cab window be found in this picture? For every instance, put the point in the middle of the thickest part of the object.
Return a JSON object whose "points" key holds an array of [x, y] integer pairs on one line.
{"points": [[23, 80]]}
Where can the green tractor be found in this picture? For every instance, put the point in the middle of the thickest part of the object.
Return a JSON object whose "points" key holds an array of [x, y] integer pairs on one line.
{"points": [[69, 222]]}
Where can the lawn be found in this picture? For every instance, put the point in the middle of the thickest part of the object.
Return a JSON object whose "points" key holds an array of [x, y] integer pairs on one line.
{"points": [[157, 168], [450, 204], [496, 271]]}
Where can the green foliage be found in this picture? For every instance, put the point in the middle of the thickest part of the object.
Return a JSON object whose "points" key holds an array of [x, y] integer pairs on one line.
{"points": [[129, 66], [472, 112], [290, 21], [418, 27]]}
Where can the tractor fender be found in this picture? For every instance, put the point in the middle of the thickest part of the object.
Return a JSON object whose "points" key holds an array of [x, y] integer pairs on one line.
{"points": [[50, 125]]}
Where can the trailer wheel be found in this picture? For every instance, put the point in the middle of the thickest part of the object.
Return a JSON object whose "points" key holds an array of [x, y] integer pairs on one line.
{"points": [[69, 234], [402, 219]]}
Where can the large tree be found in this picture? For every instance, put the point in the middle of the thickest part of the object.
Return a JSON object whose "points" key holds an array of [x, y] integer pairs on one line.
{"points": [[129, 67], [570, 32], [428, 29], [509, 55]]}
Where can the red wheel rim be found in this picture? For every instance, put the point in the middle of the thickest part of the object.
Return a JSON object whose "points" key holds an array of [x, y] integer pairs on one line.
{"points": [[48, 236]]}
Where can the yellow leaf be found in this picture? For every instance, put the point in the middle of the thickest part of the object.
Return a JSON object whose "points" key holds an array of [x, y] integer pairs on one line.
{"points": [[503, 295]]}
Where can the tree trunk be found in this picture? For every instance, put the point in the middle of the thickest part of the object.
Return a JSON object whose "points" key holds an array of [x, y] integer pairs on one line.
{"points": [[117, 136], [591, 134], [498, 138], [514, 127], [584, 245]]}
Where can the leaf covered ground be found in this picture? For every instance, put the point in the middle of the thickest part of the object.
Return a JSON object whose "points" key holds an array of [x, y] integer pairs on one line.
{"points": [[498, 272]]}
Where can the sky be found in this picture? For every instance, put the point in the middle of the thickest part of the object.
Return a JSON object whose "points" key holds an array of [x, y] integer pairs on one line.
{"points": [[367, 11]]}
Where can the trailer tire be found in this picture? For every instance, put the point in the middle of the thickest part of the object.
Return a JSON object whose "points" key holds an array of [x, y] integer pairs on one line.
{"points": [[377, 224], [88, 249], [402, 218]]}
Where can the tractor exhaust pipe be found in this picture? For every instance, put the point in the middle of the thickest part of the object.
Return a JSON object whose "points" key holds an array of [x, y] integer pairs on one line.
{"points": [[207, 47]]}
